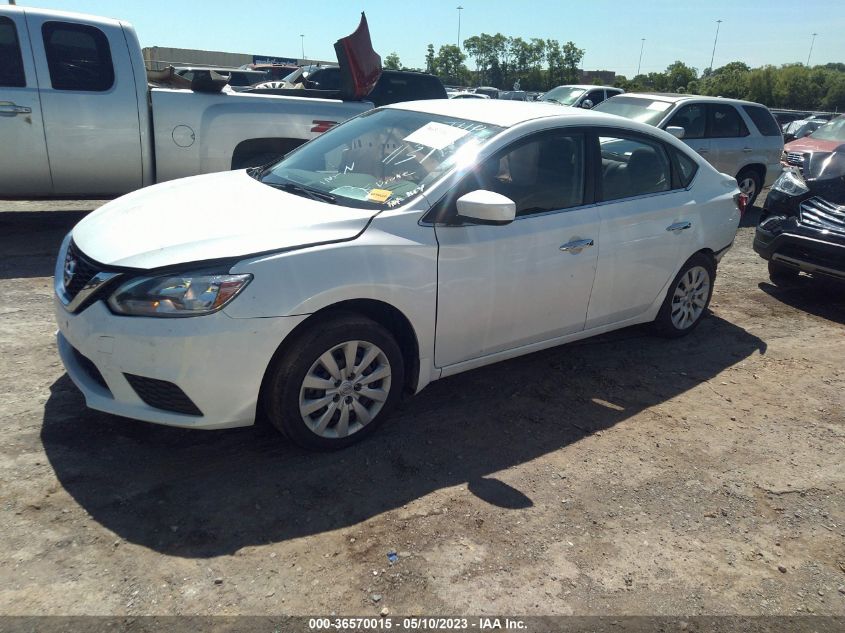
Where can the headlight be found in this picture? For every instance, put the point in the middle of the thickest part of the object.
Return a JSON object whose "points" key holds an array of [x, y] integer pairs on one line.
{"points": [[177, 295], [790, 183]]}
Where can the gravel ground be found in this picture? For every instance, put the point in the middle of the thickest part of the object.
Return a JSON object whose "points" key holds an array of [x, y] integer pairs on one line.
{"points": [[621, 475]]}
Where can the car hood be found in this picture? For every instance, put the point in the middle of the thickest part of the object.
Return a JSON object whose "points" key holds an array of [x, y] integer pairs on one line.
{"points": [[215, 216], [811, 145]]}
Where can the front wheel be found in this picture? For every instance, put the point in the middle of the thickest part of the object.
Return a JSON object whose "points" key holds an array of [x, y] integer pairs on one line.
{"points": [[687, 298], [335, 384]]}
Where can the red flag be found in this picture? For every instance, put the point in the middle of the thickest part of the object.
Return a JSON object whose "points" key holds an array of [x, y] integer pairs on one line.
{"points": [[360, 65]]}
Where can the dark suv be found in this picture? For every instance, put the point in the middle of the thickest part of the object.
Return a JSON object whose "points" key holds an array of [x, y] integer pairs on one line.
{"points": [[393, 86], [803, 222]]}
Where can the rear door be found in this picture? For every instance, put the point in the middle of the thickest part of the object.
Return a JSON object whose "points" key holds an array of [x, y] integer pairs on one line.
{"points": [[26, 170], [90, 105], [731, 142]]}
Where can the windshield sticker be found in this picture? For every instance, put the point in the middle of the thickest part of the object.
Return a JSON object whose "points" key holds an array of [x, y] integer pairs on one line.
{"points": [[379, 195], [356, 193], [436, 135], [658, 105]]}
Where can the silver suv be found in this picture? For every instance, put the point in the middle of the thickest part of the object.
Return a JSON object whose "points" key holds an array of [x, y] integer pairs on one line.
{"points": [[739, 138]]}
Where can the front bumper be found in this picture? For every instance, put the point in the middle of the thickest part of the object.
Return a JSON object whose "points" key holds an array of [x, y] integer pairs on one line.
{"points": [[790, 243], [215, 361]]}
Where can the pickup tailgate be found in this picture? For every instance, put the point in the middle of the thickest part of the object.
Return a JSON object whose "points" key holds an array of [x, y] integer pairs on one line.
{"points": [[198, 133]]}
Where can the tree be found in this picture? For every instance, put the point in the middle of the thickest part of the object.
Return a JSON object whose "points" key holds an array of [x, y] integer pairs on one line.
{"points": [[678, 76], [731, 80], [572, 56], [430, 60], [450, 64], [391, 62]]}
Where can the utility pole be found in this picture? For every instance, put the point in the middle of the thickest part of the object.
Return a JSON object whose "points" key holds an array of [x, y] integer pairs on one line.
{"points": [[640, 63], [460, 8], [302, 41], [813, 41], [718, 24]]}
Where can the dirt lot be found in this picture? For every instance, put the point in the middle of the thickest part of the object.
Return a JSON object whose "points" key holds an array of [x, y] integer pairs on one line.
{"points": [[622, 475]]}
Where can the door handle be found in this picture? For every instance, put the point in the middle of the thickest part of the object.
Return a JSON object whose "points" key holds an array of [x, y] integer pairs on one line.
{"points": [[576, 246], [679, 226], [12, 109], [747, 150]]}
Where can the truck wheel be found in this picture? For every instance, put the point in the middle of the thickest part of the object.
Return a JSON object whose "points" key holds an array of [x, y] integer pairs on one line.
{"points": [[782, 275], [335, 384], [687, 298], [750, 184]]}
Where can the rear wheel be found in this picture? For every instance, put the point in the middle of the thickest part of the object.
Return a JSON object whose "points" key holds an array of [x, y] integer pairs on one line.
{"points": [[750, 184], [335, 384], [782, 275], [687, 298]]}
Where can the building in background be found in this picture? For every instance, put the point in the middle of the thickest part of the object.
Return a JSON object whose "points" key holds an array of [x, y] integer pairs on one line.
{"points": [[160, 57]]}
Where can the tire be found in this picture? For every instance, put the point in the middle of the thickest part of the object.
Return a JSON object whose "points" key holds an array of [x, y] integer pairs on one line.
{"points": [[330, 413], [688, 297], [749, 183], [781, 275]]}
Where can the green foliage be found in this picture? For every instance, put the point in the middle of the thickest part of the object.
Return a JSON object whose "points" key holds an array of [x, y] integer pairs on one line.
{"points": [[391, 62], [450, 65]]}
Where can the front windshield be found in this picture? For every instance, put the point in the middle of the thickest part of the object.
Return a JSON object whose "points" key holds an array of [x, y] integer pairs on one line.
{"points": [[564, 95], [833, 131], [648, 111], [381, 159]]}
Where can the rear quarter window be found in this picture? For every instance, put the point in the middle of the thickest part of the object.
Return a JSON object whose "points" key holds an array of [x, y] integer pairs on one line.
{"points": [[763, 120], [686, 168]]}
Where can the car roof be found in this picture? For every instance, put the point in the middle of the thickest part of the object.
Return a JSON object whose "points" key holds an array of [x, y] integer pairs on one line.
{"points": [[674, 97], [585, 86], [507, 113]]}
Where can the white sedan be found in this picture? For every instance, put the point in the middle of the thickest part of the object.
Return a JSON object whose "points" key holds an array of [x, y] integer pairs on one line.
{"points": [[408, 244]]}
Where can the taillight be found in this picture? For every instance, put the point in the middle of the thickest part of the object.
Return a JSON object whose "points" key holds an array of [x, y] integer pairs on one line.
{"points": [[741, 200], [322, 126]]}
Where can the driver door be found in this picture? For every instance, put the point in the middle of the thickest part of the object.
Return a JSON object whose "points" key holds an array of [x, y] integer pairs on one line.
{"points": [[502, 287]]}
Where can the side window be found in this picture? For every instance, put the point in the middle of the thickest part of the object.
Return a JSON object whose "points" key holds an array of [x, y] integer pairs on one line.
{"points": [[687, 168], [632, 166], [78, 57], [544, 173], [596, 96], [693, 118], [725, 122], [326, 79], [11, 68], [763, 119]]}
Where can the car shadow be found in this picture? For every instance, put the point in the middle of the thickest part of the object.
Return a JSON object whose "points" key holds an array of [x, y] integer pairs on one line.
{"points": [[30, 240], [821, 297], [751, 217], [202, 494]]}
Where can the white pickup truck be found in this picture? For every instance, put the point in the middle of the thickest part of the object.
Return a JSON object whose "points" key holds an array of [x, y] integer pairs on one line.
{"points": [[77, 116]]}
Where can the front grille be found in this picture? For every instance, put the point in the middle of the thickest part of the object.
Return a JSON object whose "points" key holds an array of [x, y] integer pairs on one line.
{"points": [[90, 369], [163, 395], [795, 158], [78, 271], [823, 215]]}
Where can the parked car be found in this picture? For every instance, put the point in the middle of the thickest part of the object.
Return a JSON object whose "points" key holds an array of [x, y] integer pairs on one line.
{"points": [[273, 72], [467, 95], [802, 228], [392, 87], [740, 138], [489, 91], [238, 78], [826, 138], [513, 95], [801, 128], [580, 96], [316, 285], [785, 117]]}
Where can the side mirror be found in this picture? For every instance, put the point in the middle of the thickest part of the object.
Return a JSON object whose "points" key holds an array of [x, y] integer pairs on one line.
{"points": [[586, 104], [486, 207], [676, 130]]}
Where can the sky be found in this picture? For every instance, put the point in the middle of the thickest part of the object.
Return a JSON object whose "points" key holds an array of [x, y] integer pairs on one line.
{"points": [[611, 31]]}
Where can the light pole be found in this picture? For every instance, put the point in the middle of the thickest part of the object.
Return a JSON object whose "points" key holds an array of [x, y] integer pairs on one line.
{"points": [[460, 8], [813, 41], [640, 63], [302, 41], [718, 24]]}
